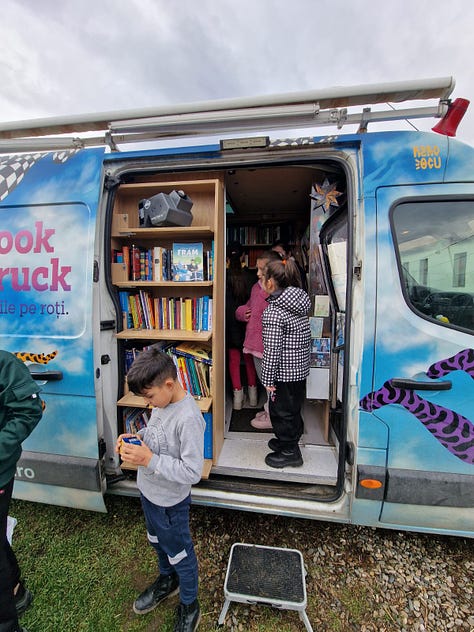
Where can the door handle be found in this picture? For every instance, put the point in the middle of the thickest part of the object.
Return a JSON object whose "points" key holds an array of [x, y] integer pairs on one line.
{"points": [[51, 376], [415, 385]]}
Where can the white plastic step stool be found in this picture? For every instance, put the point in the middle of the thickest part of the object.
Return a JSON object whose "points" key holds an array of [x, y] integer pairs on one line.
{"points": [[268, 576]]}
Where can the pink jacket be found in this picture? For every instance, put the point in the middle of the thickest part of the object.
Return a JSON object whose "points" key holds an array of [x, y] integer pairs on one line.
{"points": [[257, 304]]}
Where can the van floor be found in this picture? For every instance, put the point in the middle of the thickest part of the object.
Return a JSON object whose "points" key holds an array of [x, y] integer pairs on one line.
{"points": [[244, 450]]}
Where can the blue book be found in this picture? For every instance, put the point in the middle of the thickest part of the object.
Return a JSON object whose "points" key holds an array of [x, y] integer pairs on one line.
{"points": [[127, 321], [208, 436], [205, 313]]}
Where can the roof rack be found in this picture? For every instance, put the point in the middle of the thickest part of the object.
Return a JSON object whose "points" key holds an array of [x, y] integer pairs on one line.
{"points": [[280, 111]]}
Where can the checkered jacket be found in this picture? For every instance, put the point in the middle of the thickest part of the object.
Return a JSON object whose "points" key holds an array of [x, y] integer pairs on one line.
{"points": [[286, 337]]}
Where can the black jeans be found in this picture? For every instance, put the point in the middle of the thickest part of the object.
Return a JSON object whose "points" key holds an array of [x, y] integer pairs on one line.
{"points": [[285, 412], [9, 569]]}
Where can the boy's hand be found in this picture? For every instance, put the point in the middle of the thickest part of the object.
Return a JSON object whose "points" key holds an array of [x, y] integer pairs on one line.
{"points": [[119, 441], [135, 454]]}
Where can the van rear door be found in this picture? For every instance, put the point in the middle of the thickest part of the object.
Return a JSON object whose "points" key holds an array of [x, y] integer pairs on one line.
{"points": [[47, 227]]}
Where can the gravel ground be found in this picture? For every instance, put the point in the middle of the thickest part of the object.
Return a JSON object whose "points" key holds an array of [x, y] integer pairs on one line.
{"points": [[358, 578]]}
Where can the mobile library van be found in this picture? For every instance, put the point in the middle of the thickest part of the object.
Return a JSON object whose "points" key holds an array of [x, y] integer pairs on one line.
{"points": [[382, 222]]}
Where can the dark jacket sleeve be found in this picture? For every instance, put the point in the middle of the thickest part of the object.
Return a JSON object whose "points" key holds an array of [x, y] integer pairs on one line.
{"points": [[20, 410]]}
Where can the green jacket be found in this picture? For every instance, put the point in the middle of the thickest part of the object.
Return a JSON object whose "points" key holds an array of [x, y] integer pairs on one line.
{"points": [[20, 411]]}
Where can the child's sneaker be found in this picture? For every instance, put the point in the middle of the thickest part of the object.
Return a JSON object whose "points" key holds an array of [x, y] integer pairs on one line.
{"points": [[261, 421]]}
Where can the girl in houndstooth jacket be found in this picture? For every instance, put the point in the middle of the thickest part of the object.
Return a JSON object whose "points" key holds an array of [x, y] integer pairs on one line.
{"points": [[286, 358]]}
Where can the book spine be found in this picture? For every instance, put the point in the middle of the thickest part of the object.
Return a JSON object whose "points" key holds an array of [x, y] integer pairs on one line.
{"points": [[135, 262], [126, 259], [208, 452], [205, 313], [157, 263]]}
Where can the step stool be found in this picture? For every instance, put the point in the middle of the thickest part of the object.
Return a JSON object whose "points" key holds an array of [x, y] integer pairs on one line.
{"points": [[268, 576]]}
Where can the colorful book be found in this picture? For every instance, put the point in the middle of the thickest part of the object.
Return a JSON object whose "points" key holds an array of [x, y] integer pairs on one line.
{"points": [[157, 263], [194, 350], [188, 262], [135, 264], [208, 435]]}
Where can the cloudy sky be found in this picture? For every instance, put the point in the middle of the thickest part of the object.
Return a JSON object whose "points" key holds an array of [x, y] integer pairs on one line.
{"points": [[61, 57]]}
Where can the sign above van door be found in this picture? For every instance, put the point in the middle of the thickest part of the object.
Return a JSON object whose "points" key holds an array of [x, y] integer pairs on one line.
{"points": [[256, 142]]}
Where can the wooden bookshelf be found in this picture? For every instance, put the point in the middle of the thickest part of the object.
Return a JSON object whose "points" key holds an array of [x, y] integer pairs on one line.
{"points": [[131, 400], [207, 194]]}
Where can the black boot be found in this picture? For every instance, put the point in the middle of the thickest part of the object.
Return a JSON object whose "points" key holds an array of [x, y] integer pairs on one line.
{"points": [[165, 586], [274, 444], [187, 617], [23, 599], [11, 626], [285, 458]]}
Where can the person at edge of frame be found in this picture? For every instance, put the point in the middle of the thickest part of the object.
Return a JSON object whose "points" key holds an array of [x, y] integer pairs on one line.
{"points": [[20, 411]]}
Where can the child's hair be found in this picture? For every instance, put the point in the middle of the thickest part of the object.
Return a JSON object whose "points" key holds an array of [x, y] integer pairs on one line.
{"points": [[285, 272], [283, 245], [269, 255], [151, 368], [235, 273]]}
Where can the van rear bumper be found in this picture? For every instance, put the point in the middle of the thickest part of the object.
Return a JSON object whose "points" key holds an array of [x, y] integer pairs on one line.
{"points": [[57, 469]]}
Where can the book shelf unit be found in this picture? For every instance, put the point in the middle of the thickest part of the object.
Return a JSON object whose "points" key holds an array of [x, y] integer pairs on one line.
{"points": [[257, 238], [207, 195]]}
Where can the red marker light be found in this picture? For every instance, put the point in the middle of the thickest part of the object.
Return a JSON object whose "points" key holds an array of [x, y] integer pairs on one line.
{"points": [[450, 121]]}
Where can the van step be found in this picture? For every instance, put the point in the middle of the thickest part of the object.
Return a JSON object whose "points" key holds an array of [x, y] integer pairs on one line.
{"points": [[246, 458]]}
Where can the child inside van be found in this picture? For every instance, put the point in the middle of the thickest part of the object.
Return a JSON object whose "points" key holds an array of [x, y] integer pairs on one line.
{"points": [[239, 283], [286, 359], [251, 313], [170, 459]]}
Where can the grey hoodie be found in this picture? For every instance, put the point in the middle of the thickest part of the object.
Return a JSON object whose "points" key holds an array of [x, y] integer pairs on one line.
{"points": [[175, 435], [286, 337]]}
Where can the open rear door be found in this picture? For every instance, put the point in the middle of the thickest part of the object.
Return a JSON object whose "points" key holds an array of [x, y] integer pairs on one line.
{"points": [[47, 225]]}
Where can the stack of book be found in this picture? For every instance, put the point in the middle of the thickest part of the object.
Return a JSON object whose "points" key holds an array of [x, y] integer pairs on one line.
{"points": [[134, 419], [193, 364]]}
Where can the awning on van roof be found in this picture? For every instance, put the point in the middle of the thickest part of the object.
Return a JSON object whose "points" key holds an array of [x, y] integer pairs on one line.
{"points": [[337, 97]]}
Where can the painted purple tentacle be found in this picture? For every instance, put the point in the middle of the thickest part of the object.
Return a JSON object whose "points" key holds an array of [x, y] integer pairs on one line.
{"points": [[462, 361], [452, 430]]}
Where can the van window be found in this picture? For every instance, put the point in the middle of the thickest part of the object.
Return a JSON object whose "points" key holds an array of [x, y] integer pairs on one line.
{"points": [[435, 249]]}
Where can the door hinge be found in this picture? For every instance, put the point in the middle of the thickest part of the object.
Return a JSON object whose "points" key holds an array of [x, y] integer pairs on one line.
{"points": [[357, 270]]}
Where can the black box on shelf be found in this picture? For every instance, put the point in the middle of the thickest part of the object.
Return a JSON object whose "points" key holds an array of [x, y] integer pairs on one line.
{"points": [[163, 209]]}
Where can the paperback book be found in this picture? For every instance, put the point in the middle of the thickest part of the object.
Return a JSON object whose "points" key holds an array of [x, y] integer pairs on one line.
{"points": [[188, 262]]}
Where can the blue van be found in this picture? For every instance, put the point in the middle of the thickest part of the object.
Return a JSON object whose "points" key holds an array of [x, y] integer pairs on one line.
{"points": [[381, 222]]}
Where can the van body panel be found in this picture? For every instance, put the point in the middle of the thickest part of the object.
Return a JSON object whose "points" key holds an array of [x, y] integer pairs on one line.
{"points": [[387, 337], [405, 344], [48, 216]]}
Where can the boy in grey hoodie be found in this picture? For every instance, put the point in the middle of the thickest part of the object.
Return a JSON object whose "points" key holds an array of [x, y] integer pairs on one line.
{"points": [[170, 459]]}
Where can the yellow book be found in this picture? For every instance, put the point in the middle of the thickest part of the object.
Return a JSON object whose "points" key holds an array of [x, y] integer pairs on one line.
{"points": [[188, 314]]}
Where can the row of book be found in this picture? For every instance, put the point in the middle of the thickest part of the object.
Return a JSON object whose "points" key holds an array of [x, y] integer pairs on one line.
{"points": [[259, 234], [134, 419], [182, 262], [141, 310]]}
